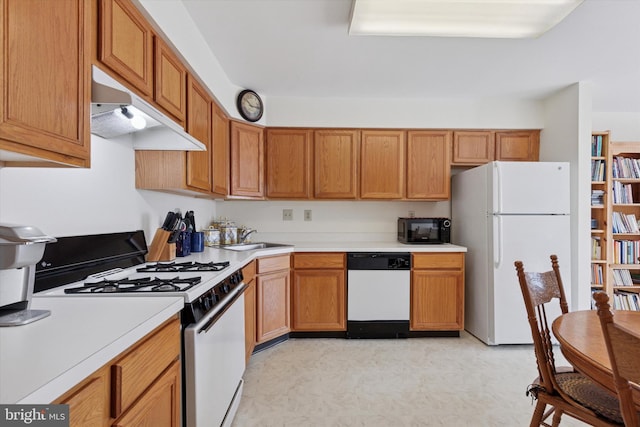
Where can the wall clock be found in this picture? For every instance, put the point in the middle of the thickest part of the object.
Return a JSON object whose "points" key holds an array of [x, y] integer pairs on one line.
{"points": [[250, 105]]}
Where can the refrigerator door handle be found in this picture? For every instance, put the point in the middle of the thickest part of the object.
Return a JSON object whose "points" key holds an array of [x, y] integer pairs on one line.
{"points": [[497, 241], [499, 186]]}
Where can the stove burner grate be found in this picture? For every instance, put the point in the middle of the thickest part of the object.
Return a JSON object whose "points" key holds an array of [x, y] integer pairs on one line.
{"points": [[143, 284], [161, 267]]}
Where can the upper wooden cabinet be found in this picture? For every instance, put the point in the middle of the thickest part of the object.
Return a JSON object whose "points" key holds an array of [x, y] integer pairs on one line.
{"points": [[428, 165], [288, 163], [382, 164], [247, 160], [473, 147], [46, 80], [126, 43], [518, 145], [220, 151], [170, 89], [335, 156], [199, 126]]}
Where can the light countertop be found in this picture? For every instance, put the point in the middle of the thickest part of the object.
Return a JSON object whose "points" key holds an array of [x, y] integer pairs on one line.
{"points": [[42, 360]]}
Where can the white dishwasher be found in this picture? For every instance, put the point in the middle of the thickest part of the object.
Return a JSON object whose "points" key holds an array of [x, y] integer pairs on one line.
{"points": [[378, 294]]}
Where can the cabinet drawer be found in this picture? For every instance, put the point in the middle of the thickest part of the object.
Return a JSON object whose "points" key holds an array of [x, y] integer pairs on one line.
{"points": [[273, 263], [449, 260], [249, 272], [319, 260], [134, 372]]}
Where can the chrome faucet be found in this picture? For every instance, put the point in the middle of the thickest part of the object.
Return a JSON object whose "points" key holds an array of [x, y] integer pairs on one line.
{"points": [[244, 234]]}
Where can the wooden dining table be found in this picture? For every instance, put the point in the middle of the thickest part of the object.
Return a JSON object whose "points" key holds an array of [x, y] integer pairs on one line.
{"points": [[582, 343]]}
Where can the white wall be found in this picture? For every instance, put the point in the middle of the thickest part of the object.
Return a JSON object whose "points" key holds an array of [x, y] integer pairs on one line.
{"points": [[331, 220], [405, 113], [100, 199], [624, 127], [567, 137]]}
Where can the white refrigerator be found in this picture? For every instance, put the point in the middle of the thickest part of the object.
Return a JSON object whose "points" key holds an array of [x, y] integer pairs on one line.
{"points": [[504, 212]]}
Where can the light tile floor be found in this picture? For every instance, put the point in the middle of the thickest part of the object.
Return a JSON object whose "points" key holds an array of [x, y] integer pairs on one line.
{"points": [[378, 383]]}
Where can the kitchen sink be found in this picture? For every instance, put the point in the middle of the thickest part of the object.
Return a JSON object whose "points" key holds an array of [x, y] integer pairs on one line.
{"points": [[252, 246]]}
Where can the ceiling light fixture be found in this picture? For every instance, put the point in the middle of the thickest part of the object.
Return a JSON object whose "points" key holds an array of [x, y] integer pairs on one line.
{"points": [[458, 18]]}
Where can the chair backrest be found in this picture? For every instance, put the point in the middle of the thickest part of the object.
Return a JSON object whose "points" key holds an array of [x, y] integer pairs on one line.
{"points": [[538, 289], [623, 347]]}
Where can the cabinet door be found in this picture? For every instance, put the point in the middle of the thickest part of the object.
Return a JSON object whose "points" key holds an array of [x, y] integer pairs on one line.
{"points": [[518, 145], [382, 164], [199, 126], [247, 160], [89, 401], [249, 319], [473, 147], [159, 406], [220, 151], [428, 165], [170, 81], [437, 300], [336, 164], [46, 78], [273, 305], [288, 164], [126, 43], [318, 300]]}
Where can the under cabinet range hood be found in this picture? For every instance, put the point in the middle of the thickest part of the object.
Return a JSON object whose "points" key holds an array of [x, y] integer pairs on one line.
{"points": [[116, 111]]}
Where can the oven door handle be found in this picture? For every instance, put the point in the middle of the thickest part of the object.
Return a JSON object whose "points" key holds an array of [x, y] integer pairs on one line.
{"points": [[206, 323]]}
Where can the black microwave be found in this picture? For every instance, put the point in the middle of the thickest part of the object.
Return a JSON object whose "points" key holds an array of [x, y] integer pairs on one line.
{"points": [[424, 230]]}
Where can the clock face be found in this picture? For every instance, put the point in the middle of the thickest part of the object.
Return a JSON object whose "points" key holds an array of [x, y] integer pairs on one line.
{"points": [[250, 105]]}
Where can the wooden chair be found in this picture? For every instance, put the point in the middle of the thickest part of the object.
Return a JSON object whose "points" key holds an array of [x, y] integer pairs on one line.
{"points": [[563, 389], [624, 353]]}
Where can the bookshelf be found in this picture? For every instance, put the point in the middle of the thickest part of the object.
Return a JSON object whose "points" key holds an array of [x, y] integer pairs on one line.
{"points": [[599, 215], [623, 215]]}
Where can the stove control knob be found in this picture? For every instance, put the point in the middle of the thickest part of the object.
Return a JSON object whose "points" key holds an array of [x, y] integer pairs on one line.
{"points": [[226, 288], [214, 298], [207, 302], [233, 279]]}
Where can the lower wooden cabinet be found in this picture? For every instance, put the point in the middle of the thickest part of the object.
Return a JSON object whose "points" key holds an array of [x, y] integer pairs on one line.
{"points": [[89, 401], [159, 406], [318, 300], [142, 386], [249, 275], [437, 291], [272, 292]]}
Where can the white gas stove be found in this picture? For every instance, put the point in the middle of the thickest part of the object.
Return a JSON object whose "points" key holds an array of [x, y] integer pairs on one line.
{"points": [[212, 319]]}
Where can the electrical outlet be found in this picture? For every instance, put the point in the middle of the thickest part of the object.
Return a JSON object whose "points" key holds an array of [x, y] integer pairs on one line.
{"points": [[412, 214], [287, 214], [307, 214]]}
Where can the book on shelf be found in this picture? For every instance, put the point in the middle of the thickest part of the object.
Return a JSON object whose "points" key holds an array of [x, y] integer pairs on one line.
{"points": [[625, 167], [597, 197], [596, 146], [626, 251], [596, 274], [624, 223], [626, 301], [622, 277], [597, 170], [622, 193], [596, 248]]}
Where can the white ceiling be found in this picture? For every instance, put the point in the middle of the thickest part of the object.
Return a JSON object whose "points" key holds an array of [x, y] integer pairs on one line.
{"points": [[291, 48]]}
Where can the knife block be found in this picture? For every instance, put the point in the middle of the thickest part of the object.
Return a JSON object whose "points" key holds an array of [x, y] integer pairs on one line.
{"points": [[160, 249]]}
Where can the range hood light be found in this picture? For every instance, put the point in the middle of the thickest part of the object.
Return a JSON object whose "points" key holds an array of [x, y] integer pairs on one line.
{"points": [[138, 122]]}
